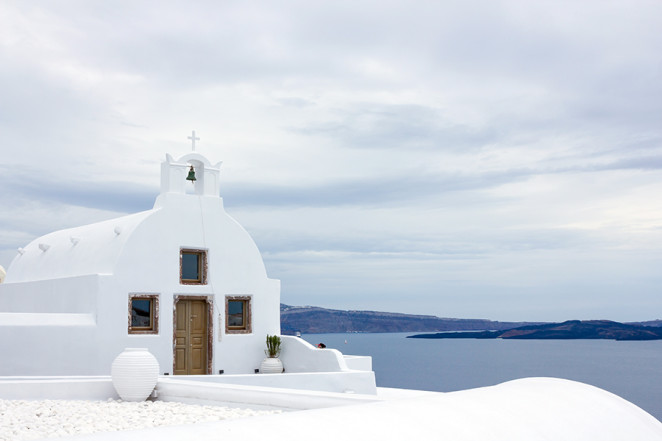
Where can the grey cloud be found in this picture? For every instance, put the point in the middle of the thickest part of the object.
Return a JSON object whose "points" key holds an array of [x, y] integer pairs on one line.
{"points": [[425, 245], [38, 107], [296, 102], [366, 192], [113, 196], [376, 126], [410, 187], [635, 163], [199, 45], [122, 197]]}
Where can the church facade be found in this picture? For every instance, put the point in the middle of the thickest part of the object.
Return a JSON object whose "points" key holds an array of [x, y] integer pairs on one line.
{"points": [[183, 279]]}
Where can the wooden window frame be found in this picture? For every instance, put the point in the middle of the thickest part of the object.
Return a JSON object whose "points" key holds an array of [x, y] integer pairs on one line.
{"points": [[202, 266], [154, 314], [248, 322]]}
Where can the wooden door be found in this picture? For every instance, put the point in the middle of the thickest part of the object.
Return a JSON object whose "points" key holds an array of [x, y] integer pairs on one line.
{"points": [[191, 337]]}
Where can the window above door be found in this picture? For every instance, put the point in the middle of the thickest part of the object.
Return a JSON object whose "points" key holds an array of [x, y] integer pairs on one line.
{"points": [[192, 267]]}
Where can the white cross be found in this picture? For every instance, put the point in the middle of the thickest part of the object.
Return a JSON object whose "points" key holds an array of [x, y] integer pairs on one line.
{"points": [[193, 138]]}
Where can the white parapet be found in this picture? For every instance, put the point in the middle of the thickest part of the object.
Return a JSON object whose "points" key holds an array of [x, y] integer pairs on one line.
{"points": [[300, 356], [358, 362], [57, 388], [348, 382], [192, 391]]}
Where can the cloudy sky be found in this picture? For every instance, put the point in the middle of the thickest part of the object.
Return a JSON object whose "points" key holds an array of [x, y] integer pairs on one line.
{"points": [[478, 158]]}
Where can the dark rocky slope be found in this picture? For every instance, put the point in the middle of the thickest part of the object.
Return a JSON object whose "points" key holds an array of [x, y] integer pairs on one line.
{"points": [[315, 320], [572, 329]]}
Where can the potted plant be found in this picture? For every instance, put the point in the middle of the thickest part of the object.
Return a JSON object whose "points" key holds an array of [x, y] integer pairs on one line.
{"points": [[272, 364]]}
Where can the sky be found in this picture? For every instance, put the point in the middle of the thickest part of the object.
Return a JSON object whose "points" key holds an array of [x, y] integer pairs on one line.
{"points": [[494, 159]]}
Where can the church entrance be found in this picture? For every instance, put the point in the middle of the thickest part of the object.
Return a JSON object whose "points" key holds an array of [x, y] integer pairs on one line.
{"points": [[192, 353]]}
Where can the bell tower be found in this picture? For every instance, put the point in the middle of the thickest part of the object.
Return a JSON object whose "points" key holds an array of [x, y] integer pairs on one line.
{"points": [[176, 175]]}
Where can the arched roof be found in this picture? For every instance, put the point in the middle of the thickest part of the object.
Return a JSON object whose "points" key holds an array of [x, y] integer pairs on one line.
{"points": [[89, 249]]}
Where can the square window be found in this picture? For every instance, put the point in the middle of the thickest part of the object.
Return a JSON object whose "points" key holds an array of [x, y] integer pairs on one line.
{"points": [[238, 315], [143, 314], [193, 267]]}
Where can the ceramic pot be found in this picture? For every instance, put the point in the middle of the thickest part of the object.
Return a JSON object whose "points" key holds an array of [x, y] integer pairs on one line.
{"points": [[134, 373], [271, 366]]}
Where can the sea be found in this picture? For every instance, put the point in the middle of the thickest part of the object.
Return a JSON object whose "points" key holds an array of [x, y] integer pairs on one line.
{"points": [[630, 369]]}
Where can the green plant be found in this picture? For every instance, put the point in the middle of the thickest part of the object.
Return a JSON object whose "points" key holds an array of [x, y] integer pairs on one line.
{"points": [[273, 346]]}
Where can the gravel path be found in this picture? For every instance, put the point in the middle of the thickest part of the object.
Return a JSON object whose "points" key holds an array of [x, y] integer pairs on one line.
{"points": [[29, 420]]}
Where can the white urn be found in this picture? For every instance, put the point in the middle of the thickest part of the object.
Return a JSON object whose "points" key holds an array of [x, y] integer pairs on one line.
{"points": [[271, 365], [134, 373]]}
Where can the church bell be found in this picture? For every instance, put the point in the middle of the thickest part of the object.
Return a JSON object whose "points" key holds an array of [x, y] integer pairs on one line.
{"points": [[191, 175]]}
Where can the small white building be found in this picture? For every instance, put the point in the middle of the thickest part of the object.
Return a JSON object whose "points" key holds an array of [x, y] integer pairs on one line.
{"points": [[183, 279]]}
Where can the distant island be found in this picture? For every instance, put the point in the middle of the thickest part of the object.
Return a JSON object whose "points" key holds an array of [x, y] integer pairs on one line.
{"points": [[316, 320], [569, 330]]}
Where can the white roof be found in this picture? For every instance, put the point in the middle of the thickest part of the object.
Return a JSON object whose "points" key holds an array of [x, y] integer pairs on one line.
{"points": [[90, 249]]}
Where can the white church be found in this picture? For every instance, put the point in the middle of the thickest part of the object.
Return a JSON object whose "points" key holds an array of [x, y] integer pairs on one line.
{"points": [[183, 280]]}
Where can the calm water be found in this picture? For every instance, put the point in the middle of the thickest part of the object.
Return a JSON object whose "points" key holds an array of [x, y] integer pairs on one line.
{"points": [[632, 370]]}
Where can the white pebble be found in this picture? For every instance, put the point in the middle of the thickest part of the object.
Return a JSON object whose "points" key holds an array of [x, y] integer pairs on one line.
{"points": [[22, 420]]}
